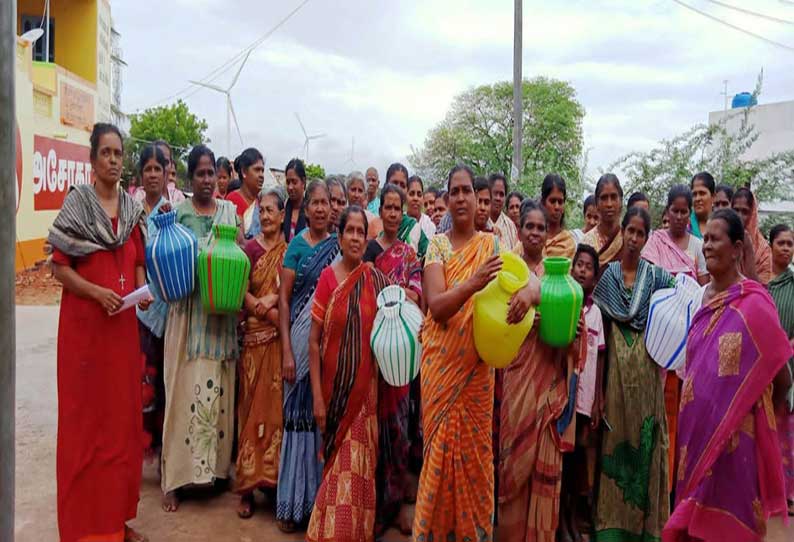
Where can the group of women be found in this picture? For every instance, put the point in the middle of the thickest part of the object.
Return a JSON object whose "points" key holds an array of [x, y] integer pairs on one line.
{"points": [[464, 447]]}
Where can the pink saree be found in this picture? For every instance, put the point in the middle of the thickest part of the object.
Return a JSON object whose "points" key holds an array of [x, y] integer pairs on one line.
{"points": [[730, 475], [661, 250]]}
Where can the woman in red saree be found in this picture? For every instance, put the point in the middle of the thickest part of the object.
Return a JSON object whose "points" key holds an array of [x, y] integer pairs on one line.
{"points": [[344, 378], [456, 486], [98, 257], [756, 261], [259, 407], [535, 426], [400, 445], [730, 475]]}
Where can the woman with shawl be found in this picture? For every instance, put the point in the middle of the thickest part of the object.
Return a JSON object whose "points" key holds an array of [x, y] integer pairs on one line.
{"points": [[259, 416], [607, 237], [676, 251], [756, 262], [781, 288], [633, 498], [400, 445], [535, 424], [730, 475], [456, 486], [311, 251], [98, 257], [344, 381], [200, 358], [250, 167], [560, 242]]}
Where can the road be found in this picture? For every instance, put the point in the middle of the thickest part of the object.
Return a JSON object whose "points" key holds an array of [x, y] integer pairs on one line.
{"points": [[211, 519]]}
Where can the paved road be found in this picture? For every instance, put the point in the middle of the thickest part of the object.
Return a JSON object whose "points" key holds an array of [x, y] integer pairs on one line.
{"points": [[211, 519]]}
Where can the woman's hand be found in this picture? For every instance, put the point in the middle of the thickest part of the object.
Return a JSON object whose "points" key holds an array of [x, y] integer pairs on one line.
{"points": [[269, 301], [144, 304], [288, 367], [110, 300], [319, 413], [598, 410], [522, 300], [486, 273], [260, 309], [165, 208]]}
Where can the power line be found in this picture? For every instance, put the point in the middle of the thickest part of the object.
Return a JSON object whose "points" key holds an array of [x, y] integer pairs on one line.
{"points": [[738, 28], [752, 13], [223, 68]]}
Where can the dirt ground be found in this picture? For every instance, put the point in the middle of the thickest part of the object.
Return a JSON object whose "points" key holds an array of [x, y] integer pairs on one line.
{"points": [[211, 519], [37, 286]]}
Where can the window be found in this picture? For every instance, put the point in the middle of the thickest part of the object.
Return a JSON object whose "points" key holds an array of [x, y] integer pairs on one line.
{"points": [[29, 22]]}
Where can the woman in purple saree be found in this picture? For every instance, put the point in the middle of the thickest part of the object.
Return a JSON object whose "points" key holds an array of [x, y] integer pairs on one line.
{"points": [[729, 476]]}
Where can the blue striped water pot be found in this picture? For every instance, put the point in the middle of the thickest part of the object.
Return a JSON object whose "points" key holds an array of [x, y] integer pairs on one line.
{"points": [[171, 258], [669, 317], [395, 336]]}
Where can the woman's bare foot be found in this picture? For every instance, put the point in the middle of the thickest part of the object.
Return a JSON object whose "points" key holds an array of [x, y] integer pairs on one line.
{"points": [[246, 507], [286, 526], [131, 535], [170, 502], [405, 519]]}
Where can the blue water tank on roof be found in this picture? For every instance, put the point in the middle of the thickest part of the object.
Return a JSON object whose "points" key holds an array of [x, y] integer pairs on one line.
{"points": [[743, 99]]}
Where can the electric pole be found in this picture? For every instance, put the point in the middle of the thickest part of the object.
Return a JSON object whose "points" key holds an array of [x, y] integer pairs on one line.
{"points": [[515, 173]]}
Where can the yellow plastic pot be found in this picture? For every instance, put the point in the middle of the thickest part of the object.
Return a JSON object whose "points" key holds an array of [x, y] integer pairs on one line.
{"points": [[496, 341]]}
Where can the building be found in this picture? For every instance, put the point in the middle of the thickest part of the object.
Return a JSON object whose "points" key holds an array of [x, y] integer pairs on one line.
{"points": [[64, 84]]}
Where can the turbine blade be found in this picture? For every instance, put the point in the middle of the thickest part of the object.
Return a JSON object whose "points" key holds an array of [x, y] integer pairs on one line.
{"points": [[316, 136], [209, 86], [239, 70], [234, 117], [302, 127]]}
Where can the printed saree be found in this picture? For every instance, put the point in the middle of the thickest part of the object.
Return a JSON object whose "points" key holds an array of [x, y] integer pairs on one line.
{"points": [[633, 498], [456, 486], [761, 248], [299, 470], [563, 244], [400, 435], [345, 506], [259, 415], [609, 250], [729, 476], [411, 232], [537, 426]]}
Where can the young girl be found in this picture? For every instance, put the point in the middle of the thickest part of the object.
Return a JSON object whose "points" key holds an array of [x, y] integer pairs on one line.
{"points": [[579, 467]]}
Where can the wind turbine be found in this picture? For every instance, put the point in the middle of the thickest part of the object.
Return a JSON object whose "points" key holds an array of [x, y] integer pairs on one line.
{"points": [[352, 158], [230, 115], [308, 138]]}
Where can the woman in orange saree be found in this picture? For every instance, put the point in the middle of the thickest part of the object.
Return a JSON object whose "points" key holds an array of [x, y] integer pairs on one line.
{"points": [[344, 380], [456, 486], [756, 262], [730, 472], [259, 408], [535, 426]]}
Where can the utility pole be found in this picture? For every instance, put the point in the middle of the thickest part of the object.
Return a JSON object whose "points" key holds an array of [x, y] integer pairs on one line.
{"points": [[724, 93], [8, 45], [518, 80]]}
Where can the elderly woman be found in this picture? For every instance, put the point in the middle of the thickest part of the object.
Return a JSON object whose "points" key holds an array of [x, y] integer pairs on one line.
{"points": [[357, 195], [730, 474]]}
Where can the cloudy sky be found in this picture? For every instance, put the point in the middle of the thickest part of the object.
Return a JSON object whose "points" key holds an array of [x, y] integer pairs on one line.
{"points": [[386, 72]]}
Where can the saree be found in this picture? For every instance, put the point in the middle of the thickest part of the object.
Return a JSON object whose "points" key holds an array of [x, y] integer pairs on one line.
{"points": [[509, 234], [761, 248], [563, 244], [694, 225], [633, 499], [781, 288], [609, 250], [299, 469], [199, 375], [537, 426], [345, 506], [456, 486], [729, 476], [411, 232], [400, 436], [259, 416]]}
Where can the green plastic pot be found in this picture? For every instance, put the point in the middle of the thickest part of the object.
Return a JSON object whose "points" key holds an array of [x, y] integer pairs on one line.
{"points": [[223, 271], [561, 300]]}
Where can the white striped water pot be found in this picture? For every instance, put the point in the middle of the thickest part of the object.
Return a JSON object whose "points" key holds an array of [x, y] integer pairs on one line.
{"points": [[669, 317], [395, 336]]}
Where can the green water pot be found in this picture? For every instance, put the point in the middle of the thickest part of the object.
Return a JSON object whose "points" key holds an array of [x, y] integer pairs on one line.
{"points": [[561, 300], [223, 271]]}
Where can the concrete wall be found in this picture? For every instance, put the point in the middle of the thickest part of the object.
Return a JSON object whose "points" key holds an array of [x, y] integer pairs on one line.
{"points": [[773, 122]]}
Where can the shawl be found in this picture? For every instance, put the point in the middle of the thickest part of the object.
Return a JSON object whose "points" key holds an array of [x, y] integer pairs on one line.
{"points": [[726, 422], [609, 250], [763, 253], [629, 306], [563, 244], [411, 232], [348, 365], [661, 250], [694, 225], [82, 227]]}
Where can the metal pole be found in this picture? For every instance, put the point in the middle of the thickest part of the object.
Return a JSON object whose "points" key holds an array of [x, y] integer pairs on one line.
{"points": [[47, 33], [517, 93], [8, 45]]}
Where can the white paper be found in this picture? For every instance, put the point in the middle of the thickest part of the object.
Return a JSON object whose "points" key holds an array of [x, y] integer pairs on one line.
{"points": [[131, 300]]}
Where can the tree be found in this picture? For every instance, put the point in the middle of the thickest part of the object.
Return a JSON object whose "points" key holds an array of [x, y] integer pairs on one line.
{"points": [[478, 131], [173, 123], [711, 148], [315, 171]]}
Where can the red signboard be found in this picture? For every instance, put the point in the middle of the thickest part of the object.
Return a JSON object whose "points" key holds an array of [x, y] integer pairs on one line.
{"points": [[57, 165]]}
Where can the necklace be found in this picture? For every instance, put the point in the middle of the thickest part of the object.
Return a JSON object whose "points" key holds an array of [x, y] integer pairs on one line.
{"points": [[211, 211]]}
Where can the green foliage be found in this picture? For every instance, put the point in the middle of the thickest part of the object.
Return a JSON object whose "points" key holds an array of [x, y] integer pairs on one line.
{"points": [[709, 148], [173, 123], [315, 171], [478, 131]]}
